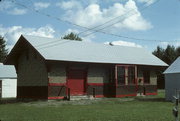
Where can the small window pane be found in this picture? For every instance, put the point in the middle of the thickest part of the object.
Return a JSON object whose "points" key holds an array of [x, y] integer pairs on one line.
{"points": [[131, 75], [121, 75]]}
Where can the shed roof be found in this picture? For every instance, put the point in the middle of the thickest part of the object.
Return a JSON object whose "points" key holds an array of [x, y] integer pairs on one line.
{"points": [[80, 51], [7, 71], [174, 67]]}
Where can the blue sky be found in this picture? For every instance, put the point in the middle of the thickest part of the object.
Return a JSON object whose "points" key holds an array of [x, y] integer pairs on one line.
{"points": [[155, 22]]}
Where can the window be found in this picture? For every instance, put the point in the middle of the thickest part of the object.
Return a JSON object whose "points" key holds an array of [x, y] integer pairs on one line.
{"points": [[131, 75], [146, 75], [121, 74], [126, 74]]}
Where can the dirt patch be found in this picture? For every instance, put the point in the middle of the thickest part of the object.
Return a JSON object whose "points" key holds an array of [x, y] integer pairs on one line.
{"points": [[77, 102]]}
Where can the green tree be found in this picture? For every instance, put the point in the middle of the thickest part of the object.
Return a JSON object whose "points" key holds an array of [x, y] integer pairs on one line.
{"points": [[178, 51], [159, 52], [3, 50], [167, 55], [72, 36], [170, 54]]}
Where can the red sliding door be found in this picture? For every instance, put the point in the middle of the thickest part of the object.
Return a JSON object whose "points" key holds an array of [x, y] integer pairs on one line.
{"points": [[76, 82]]}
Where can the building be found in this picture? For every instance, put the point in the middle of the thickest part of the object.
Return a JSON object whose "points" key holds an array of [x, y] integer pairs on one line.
{"points": [[8, 81], [47, 68], [172, 79]]}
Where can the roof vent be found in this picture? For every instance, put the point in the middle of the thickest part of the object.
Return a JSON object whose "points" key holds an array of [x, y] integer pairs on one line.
{"points": [[110, 43]]}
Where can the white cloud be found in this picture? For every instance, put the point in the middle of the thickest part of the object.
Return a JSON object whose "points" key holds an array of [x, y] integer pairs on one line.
{"points": [[4, 5], [72, 30], [17, 11], [9, 7], [148, 2], [12, 34], [124, 43], [69, 4], [41, 5], [129, 17], [89, 38], [174, 43]]}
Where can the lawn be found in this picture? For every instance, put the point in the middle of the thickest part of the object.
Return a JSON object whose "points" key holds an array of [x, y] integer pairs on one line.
{"points": [[149, 108]]}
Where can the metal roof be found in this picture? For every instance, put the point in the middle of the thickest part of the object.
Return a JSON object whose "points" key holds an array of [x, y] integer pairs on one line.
{"points": [[7, 71], [80, 51], [174, 67]]}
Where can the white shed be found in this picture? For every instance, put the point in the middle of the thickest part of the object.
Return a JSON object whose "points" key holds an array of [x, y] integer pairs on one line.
{"points": [[172, 79], [8, 81]]}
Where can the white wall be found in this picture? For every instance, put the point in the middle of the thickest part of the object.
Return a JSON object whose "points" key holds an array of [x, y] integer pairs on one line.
{"points": [[172, 82], [9, 88]]}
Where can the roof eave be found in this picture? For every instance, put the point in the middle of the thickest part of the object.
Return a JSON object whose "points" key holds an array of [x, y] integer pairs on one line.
{"points": [[157, 65], [10, 60]]}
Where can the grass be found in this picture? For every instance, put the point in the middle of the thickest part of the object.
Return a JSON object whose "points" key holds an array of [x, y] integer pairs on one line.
{"points": [[149, 108]]}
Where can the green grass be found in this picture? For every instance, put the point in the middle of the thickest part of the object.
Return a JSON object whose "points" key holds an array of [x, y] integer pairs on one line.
{"points": [[150, 108]]}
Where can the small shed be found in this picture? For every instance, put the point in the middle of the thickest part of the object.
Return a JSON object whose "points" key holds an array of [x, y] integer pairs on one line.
{"points": [[8, 81], [172, 79]]}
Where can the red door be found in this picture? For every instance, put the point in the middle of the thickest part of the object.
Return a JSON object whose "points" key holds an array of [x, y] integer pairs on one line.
{"points": [[76, 82]]}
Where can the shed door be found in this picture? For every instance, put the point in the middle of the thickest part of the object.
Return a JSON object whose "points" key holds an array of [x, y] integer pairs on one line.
{"points": [[0, 88], [76, 82]]}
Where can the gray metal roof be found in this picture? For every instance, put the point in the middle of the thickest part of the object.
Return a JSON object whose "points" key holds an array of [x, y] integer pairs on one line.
{"points": [[174, 67], [80, 51], [7, 71]]}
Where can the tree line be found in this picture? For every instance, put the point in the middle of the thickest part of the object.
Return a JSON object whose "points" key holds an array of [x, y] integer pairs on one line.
{"points": [[3, 50], [168, 54]]}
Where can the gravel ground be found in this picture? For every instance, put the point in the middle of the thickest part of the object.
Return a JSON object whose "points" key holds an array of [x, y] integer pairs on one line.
{"points": [[77, 102]]}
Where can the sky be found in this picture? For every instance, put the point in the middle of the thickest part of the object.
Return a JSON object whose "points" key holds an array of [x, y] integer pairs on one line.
{"points": [[136, 23]]}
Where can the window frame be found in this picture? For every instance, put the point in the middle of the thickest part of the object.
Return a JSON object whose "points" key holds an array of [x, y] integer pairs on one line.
{"points": [[132, 76], [122, 76], [126, 74]]}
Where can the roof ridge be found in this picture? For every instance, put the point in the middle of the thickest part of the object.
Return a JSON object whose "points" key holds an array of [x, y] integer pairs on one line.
{"points": [[75, 41], [90, 52]]}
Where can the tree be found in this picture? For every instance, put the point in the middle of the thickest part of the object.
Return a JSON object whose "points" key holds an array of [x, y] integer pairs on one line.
{"points": [[167, 55], [72, 36], [170, 54], [159, 52], [178, 51], [3, 50]]}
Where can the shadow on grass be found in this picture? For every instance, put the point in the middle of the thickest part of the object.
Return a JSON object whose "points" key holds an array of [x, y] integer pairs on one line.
{"points": [[150, 99], [14, 100]]}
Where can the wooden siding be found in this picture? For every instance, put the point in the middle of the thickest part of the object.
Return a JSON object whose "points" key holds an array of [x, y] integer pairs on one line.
{"points": [[125, 89], [153, 75], [9, 88], [171, 84], [0, 89], [98, 74], [153, 78], [32, 92], [57, 74], [107, 90], [31, 70], [147, 89], [55, 91]]}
